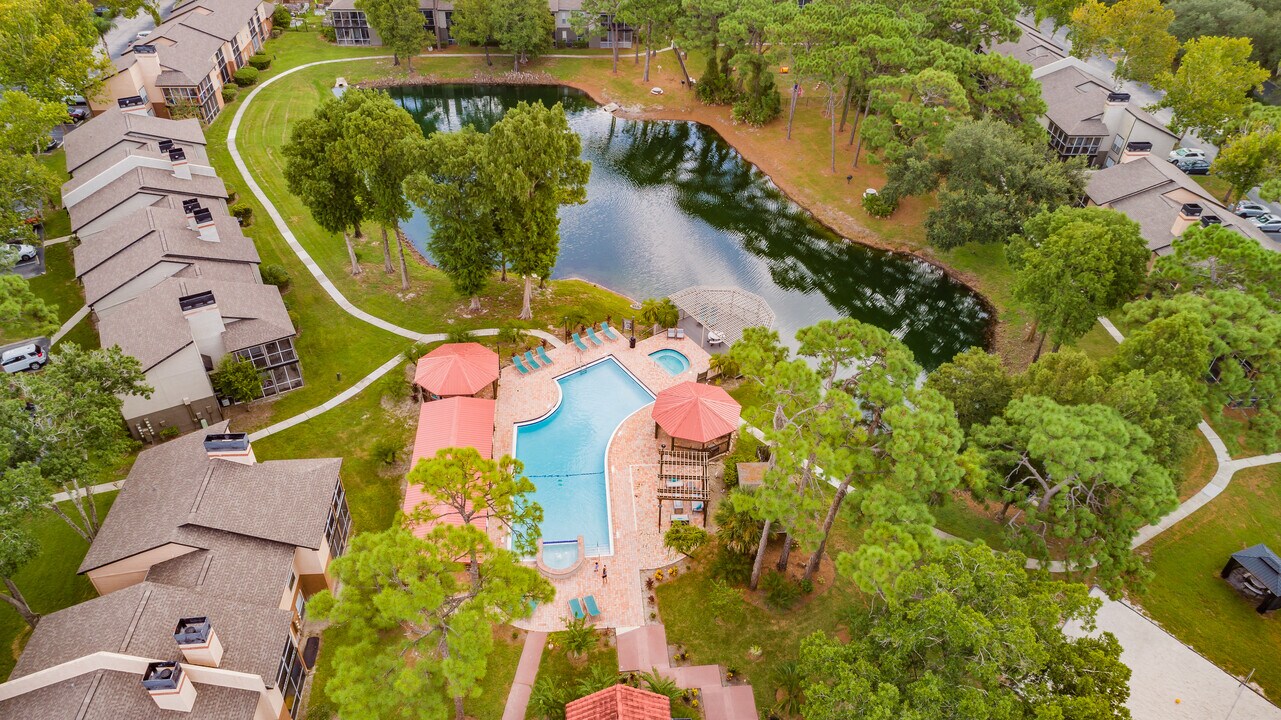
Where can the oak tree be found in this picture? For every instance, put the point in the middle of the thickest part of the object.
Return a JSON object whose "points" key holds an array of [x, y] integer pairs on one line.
{"points": [[1134, 34], [400, 25], [1209, 91]]}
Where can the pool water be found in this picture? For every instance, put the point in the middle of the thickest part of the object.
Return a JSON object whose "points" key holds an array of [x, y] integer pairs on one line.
{"points": [[673, 361], [560, 555], [564, 452]]}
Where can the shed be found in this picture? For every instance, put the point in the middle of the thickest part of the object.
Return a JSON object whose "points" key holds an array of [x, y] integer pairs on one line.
{"points": [[1256, 571]]}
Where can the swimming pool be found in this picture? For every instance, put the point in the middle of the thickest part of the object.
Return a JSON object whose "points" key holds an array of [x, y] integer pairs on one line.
{"points": [[673, 361], [564, 452]]}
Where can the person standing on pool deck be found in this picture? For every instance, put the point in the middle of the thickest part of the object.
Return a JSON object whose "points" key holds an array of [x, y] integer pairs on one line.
{"points": [[604, 575], [597, 568]]}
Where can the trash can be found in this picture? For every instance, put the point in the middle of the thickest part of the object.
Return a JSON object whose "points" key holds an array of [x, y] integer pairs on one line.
{"points": [[631, 342]]}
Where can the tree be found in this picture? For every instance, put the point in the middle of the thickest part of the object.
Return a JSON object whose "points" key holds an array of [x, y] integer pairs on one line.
{"points": [[26, 184], [421, 629], [237, 379], [969, 634], [464, 485], [383, 142], [685, 539], [523, 28], [1059, 11], [473, 24], [1256, 20], [1178, 344], [400, 25], [21, 307], [1135, 34], [972, 24], [534, 162], [50, 49], [69, 431], [317, 171], [977, 385], [1002, 88], [1218, 258], [660, 313], [1210, 90], [459, 200], [653, 19], [1075, 264], [130, 8], [993, 180], [1080, 477], [760, 101], [26, 124], [22, 493], [597, 13], [1248, 160]]}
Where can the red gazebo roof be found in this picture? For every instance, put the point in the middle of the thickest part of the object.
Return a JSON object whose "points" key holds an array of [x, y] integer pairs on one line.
{"points": [[620, 702], [696, 412], [457, 369]]}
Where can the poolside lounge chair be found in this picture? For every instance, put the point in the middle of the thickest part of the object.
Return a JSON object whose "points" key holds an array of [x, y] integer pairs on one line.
{"points": [[591, 335], [590, 603], [579, 342], [698, 506], [680, 333], [519, 365], [680, 519], [576, 609], [530, 361], [608, 332], [543, 356], [671, 333]]}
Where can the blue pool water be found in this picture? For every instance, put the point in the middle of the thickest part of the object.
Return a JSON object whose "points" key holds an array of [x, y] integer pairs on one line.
{"points": [[673, 361], [564, 453]]}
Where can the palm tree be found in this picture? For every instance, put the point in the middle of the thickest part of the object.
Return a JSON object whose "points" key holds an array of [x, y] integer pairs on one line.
{"points": [[600, 677], [660, 684], [513, 336], [459, 335], [737, 529], [579, 637], [547, 701], [659, 313], [791, 681]]}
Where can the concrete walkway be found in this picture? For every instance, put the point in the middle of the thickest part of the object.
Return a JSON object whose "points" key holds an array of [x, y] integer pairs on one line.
{"points": [[57, 241], [70, 323], [644, 649], [526, 673]]}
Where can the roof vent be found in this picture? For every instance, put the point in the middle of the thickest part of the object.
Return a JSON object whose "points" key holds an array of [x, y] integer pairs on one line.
{"points": [[230, 446], [165, 145], [1191, 211], [198, 641], [169, 686], [147, 49], [178, 163], [196, 301], [1118, 97], [1208, 220], [133, 104], [205, 225], [1139, 146]]}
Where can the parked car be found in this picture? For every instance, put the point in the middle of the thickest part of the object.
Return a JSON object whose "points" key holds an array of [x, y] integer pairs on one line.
{"points": [[18, 253], [141, 36], [1187, 154], [1194, 166], [78, 112], [1267, 223], [1249, 209], [28, 357]]}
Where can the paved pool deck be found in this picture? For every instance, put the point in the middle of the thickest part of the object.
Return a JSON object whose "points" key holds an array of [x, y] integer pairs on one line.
{"points": [[631, 470]]}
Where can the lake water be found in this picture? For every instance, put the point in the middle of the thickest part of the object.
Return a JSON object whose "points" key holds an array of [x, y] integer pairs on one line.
{"points": [[671, 204]]}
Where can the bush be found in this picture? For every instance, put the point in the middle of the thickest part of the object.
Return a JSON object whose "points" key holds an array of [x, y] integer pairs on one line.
{"points": [[237, 379], [328, 33], [730, 567], [259, 62], [807, 586], [578, 637], [169, 433], [459, 335], [415, 351], [685, 538], [878, 206], [281, 17], [246, 76], [275, 275], [229, 93], [780, 592], [243, 213], [761, 101], [384, 450]]}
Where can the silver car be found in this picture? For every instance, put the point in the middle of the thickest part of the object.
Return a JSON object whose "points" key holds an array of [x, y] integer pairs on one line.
{"points": [[1267, 223], [18, 253], [1250, 209], [26, 357]]}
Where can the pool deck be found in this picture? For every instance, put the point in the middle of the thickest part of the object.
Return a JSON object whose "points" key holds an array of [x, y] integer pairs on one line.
{"points": [[631, 469]]}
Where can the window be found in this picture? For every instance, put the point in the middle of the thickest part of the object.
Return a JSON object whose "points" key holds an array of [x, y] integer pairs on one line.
{"points": [[290, 676], [278, 363], [235, 52], [255, 32], [449, 27], [1117, 144], [220, 61], [338, 526], [1072, 145], [429, 20]]}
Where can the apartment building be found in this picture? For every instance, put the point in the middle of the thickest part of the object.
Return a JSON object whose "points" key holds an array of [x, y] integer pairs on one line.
{"points": [[204, 566], [352, 28], [169, 275], [183, 64]]}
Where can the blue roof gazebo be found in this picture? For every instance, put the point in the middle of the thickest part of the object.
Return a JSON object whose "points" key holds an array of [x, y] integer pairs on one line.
{"points": [[1256, 571]]}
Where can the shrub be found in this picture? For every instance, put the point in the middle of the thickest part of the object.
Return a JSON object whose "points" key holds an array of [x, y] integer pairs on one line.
{"points": [[761, 101], [384, 450], [237, 379], [229, 93], [878, 206], [232, 195], [329, 34], [780, 592], [723, 601], [274, 274], [281, 17], [807, 586], [685, 539], [458, 335], [746, 449], [169, 433], [246, 76], [415, 351], [578, 638], [259, 62], [243, 213]]}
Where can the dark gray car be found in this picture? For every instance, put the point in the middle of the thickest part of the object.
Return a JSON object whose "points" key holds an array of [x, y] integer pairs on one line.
{"points": [[1194, 166]]}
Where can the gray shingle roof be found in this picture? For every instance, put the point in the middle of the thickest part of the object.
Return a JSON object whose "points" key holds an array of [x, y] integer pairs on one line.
{"points": [[145, 180], [186, 42], [175, 486], [132, 146], [1033, 47], [1076, 95], [113, 127], [1263, 564]]}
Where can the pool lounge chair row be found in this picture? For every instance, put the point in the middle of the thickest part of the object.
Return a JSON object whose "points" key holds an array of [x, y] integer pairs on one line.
{"points": [[531, 363], [589, 603], [591, 335]]}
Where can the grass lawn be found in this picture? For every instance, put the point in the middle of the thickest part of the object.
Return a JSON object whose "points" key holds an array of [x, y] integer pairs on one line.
{"points": [[49, 582], [57, 287], [83, 334], [556, 666], [1190, 600], [959, 515], [1215, 185]]}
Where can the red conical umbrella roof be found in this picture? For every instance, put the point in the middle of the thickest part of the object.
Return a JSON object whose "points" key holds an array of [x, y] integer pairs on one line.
{"points": [[696, 412], [457, 369]]}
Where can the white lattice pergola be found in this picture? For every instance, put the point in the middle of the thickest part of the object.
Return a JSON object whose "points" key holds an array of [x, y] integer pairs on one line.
{"points": [[724, 310]]}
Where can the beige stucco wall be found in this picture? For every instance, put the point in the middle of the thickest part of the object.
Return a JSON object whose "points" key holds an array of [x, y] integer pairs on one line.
{"points": [[180, 376], [133, 569]]}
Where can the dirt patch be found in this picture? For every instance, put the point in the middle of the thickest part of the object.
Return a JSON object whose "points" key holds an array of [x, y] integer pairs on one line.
{"points": [[824, 578]]}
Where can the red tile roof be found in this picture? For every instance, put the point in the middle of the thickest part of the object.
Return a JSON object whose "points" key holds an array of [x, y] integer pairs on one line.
{"points": [[457, 369], [696, 412], [620, 702], [448, 423]]}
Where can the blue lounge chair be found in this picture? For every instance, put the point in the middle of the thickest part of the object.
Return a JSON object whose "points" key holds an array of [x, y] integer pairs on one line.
{"points": [[591, 335], [579, 342], [608, 332], [576, 609], [519, 365], [590, 603], [530, 361], [543, 356]]}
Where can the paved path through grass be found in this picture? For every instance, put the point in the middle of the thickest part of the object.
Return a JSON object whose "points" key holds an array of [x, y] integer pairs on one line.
{"points": [[70, 323]]}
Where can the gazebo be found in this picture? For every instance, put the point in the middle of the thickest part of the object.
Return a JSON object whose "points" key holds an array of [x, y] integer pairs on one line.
{"points": [[457, 369], [1256, 571], [693, 416], [722, 313]]}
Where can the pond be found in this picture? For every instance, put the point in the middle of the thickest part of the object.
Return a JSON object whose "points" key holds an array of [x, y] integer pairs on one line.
{"points": [[672, 204]]}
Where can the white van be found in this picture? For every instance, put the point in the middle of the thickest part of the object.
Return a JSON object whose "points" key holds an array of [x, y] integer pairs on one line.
{"points": [[27, 357]]}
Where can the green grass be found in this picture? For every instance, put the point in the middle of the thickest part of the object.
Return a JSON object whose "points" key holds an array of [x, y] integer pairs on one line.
{"points": [[57, 287], [557, 667], [957, 516], [49, 582], [83, 334], [1190, 600], [1213, 184]]}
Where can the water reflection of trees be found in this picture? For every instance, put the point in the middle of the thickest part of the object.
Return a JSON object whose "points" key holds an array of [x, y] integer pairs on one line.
{"points": [[934, 315]]}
